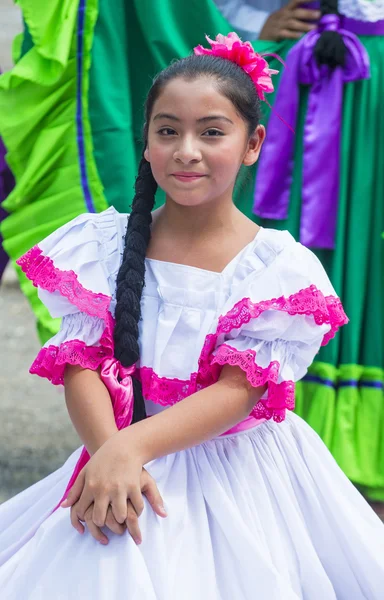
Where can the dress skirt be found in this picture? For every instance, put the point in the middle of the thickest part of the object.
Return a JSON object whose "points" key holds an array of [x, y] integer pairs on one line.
{"points": [[264, 513]]}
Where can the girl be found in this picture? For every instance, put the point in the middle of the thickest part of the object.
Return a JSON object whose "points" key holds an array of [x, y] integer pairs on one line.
{"points": [[211, 320]]}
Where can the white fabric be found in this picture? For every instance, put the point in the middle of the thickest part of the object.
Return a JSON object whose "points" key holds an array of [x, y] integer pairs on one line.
{"points": [[184, 303], [265, 514], [247, 17], [262, 514], [79, 326], [362, 10]]}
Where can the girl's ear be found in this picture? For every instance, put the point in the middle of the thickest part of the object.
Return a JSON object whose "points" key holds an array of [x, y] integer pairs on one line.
{"points": [[254, 146], [146, 154]]}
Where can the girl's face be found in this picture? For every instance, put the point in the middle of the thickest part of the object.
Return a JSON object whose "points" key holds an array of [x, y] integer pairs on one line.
{"points": [[197, 142]]}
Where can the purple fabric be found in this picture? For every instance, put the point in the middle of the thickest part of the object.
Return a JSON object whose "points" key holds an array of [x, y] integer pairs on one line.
{"points": [[363, 27], [322, 129], [79, 108], [348, 383], [7, 183]]}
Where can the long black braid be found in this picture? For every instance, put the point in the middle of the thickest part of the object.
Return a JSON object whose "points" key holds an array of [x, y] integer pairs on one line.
{"points": [[233, 83], [130, 279], [330, 48]]}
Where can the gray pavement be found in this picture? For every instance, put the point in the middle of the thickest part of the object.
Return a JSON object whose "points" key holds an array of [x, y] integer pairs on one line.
{"points": [[10, 25], [36, 435]]}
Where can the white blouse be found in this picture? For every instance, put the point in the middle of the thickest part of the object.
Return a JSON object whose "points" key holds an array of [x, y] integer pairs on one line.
{"points": [[268, 311]]}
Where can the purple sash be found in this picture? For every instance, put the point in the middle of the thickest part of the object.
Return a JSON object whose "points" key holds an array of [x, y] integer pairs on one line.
{"points": [[322, 130]]}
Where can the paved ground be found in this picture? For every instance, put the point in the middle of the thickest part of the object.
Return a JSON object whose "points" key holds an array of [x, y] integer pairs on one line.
{"points": [[36, 435], [10, 25]]}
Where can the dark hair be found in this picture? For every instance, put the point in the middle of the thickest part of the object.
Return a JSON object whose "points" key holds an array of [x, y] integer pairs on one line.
{"points": [[330, 48], [233, 83]]}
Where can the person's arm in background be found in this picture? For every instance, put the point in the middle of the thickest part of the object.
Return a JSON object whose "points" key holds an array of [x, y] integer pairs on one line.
{"points": [[246, 16], [272, 20], [290, 22]]}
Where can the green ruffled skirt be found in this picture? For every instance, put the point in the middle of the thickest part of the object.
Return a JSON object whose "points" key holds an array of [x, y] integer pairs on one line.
{"points": [[71, 118]]}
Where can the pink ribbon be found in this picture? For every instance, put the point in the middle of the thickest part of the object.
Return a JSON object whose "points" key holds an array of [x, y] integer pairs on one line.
{"points": [[118, 381]]}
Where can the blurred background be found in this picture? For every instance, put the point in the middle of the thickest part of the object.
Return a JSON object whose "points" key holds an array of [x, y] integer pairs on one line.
{"points": [[36, 435]]}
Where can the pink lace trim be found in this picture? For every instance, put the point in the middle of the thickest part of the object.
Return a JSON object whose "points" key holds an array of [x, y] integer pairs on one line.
{"points": [[51, 360], [164, 390], [281, 396], [41, 271], [309, 301]]}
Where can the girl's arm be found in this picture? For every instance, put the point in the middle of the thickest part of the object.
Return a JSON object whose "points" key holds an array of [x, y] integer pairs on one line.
{"points": [[113, 473], [196, 419], [89, 407]]}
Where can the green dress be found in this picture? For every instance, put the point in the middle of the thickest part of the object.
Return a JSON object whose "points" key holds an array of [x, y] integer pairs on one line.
{"points": [[71, 118]]}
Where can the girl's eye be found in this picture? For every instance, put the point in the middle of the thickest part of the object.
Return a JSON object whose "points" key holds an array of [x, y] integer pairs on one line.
{"points": [[166, 131], [213, 133]]}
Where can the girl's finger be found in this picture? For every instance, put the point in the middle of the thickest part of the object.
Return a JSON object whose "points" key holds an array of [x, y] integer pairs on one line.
{"points": [[132, 523], [75, 521], [100, 510], [119, 507], [137, 501], [94, 530], [152, 494], [75, 491], [113, 525], [85, 501]]}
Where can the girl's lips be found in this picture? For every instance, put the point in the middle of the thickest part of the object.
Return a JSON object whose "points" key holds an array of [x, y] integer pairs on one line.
{"points": [[187, 177]]}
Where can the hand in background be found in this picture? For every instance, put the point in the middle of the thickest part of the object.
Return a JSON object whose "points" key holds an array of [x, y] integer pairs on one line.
{"points": [[290, 22]]}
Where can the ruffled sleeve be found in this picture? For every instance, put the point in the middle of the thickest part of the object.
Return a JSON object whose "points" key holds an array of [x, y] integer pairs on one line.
{"points": [[273, 325], [74, 270]]}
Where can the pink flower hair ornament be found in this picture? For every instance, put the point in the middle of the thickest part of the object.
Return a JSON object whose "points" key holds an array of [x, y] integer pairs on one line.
{"points": [[232, 48]]}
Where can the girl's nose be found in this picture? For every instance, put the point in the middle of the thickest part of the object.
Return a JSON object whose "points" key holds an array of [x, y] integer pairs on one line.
{"points": [[187, 151]]}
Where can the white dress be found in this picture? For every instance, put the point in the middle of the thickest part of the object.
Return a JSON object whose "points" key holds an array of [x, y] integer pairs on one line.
{"points": [[261, 512]]}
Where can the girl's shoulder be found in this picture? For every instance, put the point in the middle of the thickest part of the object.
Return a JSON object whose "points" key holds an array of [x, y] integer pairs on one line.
{"points": [[78, 261], [275, 263]]}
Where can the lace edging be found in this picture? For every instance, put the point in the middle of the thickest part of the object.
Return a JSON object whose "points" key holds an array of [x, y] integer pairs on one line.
{"points": [[40, 269], [281, 396], [51, 360], [309, 301]]}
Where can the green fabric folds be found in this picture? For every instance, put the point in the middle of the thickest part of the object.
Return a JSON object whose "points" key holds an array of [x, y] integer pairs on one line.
{"points": [[38, 109]]}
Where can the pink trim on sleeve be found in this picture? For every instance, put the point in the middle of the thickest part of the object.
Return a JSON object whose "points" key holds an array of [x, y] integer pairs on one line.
{"points": [[309, 301], [51, 360], [281, 396], [41, 270]]}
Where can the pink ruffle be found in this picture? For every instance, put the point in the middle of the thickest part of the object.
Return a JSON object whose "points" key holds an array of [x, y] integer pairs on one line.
{"points": [[280, 396], [164, 390], [309, 301], [42, 272], [51, 360]]}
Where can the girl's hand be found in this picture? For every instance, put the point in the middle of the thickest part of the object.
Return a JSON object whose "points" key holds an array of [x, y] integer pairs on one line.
{"points": [[111, 478], [150, 491], [95, 531]]}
